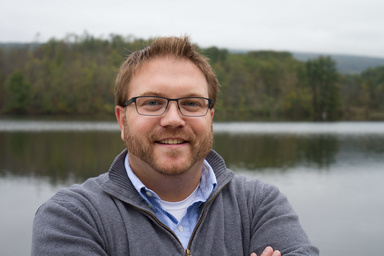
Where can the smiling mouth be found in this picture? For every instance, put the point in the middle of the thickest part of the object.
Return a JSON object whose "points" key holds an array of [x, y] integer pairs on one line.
{"points": [[171, 141]]}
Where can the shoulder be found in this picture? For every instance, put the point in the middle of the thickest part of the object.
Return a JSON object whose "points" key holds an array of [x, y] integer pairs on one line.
{"points": [[252, 186], [71, 220], [258, 195], [77, 197]]}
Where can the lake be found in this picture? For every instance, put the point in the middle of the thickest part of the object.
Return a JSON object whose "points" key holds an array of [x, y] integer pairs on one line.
{"points": [[332, 173]]}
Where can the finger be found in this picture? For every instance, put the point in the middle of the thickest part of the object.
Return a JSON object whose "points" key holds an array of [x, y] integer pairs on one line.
{"points": [[276, 253], [267, 251], [253, 254]]}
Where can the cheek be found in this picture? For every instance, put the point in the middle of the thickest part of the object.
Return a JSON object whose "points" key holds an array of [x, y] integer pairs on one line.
{"points": [[140, 126], [202, 128]]}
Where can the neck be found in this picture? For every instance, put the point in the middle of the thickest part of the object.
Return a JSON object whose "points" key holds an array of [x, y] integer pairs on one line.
{"points": [[171, 188]]}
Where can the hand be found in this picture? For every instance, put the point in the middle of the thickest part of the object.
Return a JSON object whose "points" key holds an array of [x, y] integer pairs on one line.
{"points": [[268, 251]]}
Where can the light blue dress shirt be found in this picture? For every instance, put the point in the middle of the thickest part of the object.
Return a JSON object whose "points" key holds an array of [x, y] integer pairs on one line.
{"points": [[183, 228]]}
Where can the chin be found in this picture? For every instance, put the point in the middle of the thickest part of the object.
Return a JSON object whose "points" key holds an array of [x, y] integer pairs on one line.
{"points": [[172, 167]]}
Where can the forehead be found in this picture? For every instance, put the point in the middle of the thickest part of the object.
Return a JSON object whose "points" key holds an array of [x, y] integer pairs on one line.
{"points": [[169, 77]]}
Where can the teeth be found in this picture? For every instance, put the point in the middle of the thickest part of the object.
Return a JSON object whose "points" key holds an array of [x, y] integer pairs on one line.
{"points": [[172, 141]]}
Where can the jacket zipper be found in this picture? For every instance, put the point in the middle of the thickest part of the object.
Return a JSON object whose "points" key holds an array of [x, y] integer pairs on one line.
{"points": [[187, 251]]}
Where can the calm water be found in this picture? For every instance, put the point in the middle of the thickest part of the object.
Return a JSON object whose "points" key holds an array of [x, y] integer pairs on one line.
{"points": [[333, 173]]}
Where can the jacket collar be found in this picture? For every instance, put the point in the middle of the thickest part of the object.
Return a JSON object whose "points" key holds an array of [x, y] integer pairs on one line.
{"points": [[119, 185]]}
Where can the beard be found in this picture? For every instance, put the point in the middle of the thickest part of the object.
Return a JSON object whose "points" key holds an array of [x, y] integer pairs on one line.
{"points": [[145, 149]]}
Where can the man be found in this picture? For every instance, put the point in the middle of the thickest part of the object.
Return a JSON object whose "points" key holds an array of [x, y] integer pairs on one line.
{"points": [[168, 193]]}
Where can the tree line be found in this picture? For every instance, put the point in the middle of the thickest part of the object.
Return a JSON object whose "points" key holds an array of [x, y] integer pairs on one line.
{"points": [[75, 76]]}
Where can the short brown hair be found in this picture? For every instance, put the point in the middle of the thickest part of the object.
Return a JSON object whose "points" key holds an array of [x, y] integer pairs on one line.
{"points": [[177, 47]]}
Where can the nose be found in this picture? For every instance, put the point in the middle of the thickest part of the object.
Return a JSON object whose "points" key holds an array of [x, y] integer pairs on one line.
{"points": [[172, 116]]}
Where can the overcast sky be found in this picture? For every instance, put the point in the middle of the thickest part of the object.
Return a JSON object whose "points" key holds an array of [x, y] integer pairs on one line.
{"points": [[321, 26]]}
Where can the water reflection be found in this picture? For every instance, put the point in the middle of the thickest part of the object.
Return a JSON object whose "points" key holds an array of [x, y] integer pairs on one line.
{"points": [[58, 155], [78, 154], [254, 152]]}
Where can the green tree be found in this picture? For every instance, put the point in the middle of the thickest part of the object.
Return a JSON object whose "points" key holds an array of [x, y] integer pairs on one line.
{"points": [[373, 82], [18, 91], [215, 54], [321, 77], [75, 75]]}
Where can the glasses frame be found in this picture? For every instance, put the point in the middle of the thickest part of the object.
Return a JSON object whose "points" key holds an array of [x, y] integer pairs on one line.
{"points": [[133, 100]]}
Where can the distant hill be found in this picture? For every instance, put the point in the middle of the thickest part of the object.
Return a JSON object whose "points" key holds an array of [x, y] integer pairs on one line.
{"points": [[346, 64], [14, 45]]}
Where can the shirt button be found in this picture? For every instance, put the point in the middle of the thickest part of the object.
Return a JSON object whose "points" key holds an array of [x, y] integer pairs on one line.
{"points": [[149, 194], [180, 228]]}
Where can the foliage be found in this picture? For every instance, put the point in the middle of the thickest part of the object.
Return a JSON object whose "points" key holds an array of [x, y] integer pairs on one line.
{"points": [[321, 77], [17, 91], [374, 84], [75, 75]]}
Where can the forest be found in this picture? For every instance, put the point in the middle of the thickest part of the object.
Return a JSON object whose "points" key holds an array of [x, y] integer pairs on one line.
{"points": [[74, 76]]}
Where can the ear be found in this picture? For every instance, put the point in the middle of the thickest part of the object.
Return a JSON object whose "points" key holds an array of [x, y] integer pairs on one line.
{"points": [[120, 116], [212, 113]]}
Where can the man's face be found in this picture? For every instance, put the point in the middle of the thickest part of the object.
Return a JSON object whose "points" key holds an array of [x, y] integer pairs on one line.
{"points": [[170, 144]]}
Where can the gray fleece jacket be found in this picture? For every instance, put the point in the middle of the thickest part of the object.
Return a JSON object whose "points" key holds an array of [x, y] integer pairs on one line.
{"points": [[106, 216]]}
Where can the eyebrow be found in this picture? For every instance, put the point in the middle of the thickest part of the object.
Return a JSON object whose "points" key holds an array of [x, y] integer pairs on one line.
{"points": [[152, 93]]}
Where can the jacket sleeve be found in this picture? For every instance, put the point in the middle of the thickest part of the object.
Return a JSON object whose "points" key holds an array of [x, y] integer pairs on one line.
{"points": [[275, 224], [66, 226]]}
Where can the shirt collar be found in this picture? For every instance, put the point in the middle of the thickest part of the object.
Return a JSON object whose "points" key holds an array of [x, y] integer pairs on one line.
{"points": [[207, 184]]}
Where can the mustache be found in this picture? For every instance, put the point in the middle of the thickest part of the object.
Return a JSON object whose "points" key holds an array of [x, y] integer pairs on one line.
{"points": [[171, 133]]}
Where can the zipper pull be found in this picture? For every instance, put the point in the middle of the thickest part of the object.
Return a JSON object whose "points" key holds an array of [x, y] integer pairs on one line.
{"points": [[188, 252]]}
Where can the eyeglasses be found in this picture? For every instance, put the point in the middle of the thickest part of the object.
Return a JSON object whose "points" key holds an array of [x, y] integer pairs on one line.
{"points": [[156, 106]]}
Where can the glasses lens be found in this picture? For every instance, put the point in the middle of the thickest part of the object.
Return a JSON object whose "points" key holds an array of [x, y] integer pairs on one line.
{"points": [[151, 106], [193, 106], [156, 106]]}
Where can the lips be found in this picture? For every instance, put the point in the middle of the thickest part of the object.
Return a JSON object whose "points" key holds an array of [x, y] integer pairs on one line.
{"points": [[171, 141]]}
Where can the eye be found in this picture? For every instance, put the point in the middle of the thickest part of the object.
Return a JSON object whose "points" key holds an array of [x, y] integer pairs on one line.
{"points": [[191, 103], [151, 103]]}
